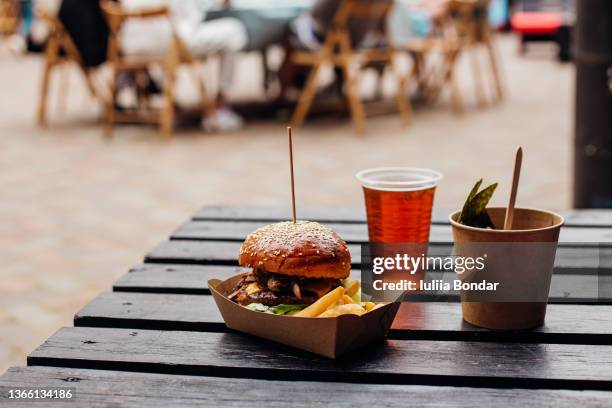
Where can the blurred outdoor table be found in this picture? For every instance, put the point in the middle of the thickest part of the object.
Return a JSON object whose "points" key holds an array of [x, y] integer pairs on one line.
{"points": [[158, 339], [266, 22]]}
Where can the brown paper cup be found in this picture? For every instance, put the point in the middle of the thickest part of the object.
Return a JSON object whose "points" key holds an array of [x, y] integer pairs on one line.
{"points": [[329, 337], [530, 226]]}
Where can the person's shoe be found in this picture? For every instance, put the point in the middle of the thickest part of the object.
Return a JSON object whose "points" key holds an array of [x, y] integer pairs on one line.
{"points": [[126, 99], [16, 44], [223, 120]]}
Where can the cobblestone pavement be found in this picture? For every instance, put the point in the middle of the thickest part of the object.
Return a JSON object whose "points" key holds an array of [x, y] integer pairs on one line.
{"points": [[78, 211]]}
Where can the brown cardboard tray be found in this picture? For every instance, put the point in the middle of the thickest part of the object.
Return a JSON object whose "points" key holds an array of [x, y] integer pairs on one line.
{"points": [[329, 337]]}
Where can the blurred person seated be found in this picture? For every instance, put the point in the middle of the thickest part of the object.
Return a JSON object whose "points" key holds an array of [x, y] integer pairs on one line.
{"points": [[82, 19], [307, 33], [29, 33], [224, 37], [85, 23], [415, 19], [15, 21]]}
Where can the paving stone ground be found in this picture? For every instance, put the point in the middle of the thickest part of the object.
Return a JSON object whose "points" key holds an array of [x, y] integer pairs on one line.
{"points": [[78, 211]]}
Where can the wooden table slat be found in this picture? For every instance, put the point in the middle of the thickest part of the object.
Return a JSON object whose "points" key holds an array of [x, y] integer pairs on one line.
{"points": [[179, 279], [576, 324], [205, 252], [574, 218], [193, 279], [358, 233], [119, 388], [457, 363], [572, 260]]}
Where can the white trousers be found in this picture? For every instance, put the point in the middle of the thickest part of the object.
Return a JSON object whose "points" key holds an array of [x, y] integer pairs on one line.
{"points": [[223, 37]]}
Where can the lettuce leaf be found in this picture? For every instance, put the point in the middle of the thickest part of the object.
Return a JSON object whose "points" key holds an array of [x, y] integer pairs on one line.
{"points": [[278, 309]]}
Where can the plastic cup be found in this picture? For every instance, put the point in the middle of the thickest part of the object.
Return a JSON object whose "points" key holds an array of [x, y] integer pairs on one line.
{"points": [[399, 202]]}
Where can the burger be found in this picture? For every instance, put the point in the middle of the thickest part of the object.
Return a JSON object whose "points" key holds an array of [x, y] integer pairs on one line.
{"points": [[293, 265]]}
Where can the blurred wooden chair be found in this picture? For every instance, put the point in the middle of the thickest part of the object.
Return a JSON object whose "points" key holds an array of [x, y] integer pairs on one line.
{"points": [[462, 29], [60, 50], [170, 60], [474, 34], [337, 50], [470, 19], [10, 17], [430, 78]]}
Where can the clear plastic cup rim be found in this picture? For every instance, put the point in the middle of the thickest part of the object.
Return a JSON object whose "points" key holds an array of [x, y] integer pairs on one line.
{"points": [[416, 178]]}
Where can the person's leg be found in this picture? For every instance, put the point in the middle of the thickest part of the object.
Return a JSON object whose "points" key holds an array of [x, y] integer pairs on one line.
{"points": [[227, 68], [223, 37], [288, 72], [224, 118], [300, 36]]}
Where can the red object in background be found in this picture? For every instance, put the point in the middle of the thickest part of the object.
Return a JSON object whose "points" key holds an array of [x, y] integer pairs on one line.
{"points": [[536, 23]]}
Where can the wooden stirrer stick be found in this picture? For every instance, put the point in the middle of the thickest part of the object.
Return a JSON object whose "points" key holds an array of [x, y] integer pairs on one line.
{"points": [[515, 181], [291, 169]]}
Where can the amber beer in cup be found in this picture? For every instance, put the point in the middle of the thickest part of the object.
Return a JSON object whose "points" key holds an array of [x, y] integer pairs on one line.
{"points": [[398, 203]]}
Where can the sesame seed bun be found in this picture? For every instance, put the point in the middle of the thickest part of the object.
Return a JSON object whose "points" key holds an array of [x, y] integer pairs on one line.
{"points": [[305, 249]]}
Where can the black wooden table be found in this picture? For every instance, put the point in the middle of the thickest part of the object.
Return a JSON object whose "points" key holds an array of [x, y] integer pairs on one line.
{"points": [[157, 338]]}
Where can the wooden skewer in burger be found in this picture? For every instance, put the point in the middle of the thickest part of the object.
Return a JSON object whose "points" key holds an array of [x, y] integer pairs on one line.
{"points": [[294, 262]]}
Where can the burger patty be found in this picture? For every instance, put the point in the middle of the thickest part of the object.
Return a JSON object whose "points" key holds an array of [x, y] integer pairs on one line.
{"points": [[269, 298], [273, 289]]}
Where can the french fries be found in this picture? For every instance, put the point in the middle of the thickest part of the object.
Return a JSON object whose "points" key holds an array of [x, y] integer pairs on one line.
{"points": [[350, 308], [378, 305], [351, 286], [322, 304], [338, 302], [368, 305], [347, 299]]}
